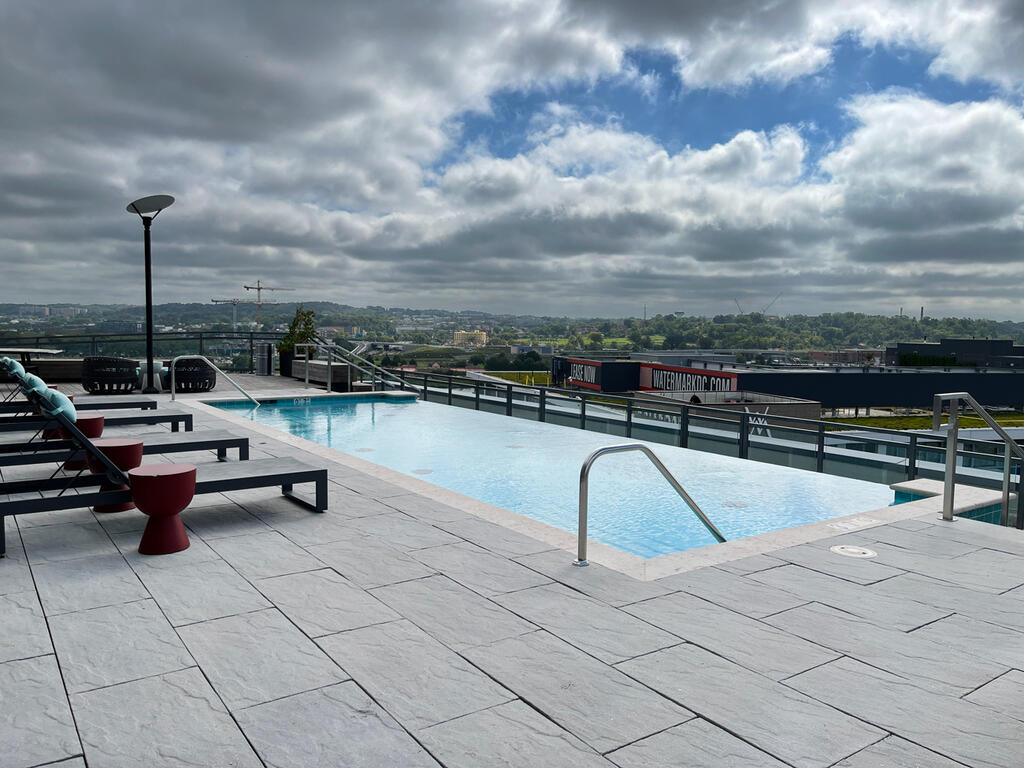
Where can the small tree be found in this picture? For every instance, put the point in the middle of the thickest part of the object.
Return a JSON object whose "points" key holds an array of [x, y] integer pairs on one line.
{"points": [[301, 331]]}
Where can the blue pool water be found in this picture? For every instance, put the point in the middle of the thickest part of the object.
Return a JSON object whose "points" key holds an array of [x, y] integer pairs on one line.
{"points": [[533, 469]]}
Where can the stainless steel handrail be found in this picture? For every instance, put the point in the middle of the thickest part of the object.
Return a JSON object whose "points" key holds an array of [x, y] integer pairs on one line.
{"points": [[952, 428], [344, 355], [581, 536], [218, 370]]}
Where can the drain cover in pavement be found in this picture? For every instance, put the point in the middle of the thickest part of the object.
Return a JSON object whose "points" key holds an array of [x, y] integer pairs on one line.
{"points": [[848, 550]]}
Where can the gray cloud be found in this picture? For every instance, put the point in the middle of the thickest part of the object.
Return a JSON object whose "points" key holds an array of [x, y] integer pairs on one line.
{"points": [[302, 140]]}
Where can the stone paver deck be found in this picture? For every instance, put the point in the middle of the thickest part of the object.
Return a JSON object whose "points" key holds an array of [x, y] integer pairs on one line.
{"points": [[397, 630]]}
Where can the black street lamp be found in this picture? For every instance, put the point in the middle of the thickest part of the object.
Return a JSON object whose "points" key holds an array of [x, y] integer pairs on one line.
{"points": [[148, 208]]}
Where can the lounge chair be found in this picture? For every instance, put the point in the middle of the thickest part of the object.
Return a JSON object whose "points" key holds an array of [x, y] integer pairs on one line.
{"points": [[106, 375], [210, 478], [23, 407], [59, 451], [30, 383], [35, 422]]}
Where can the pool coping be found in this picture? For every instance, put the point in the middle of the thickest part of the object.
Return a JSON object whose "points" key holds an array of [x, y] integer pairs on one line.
{"points": [[643, 569]]}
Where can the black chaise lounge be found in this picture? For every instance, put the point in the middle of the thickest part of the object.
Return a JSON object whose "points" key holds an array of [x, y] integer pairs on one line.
{"points": [[34, 419], [59, 451], [210, 478], [17, 407]]}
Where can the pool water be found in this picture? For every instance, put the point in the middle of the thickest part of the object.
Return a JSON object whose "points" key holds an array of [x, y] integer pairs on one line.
{"points": [[533, 468]]}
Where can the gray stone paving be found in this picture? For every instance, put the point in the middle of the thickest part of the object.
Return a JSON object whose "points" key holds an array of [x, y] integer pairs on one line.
{"points": [[398, 630]]}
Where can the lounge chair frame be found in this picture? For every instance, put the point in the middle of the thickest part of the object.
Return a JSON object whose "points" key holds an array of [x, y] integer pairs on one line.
{"points": [[46, 451], [36, 422], [218, 477]]}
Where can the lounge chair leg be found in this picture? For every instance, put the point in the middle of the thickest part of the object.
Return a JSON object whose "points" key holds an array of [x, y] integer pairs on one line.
{"points": [[222, 454], [321, 495], [3, 537]]}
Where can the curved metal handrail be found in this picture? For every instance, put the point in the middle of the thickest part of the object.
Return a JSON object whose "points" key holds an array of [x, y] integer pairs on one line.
{"points": [[218, 370], [581, 536], [335, 351], [952, 428]]}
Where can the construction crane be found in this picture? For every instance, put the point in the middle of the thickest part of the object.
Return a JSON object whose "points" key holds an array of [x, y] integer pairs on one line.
{"points": [[771, 303], [260, 288], [234, 308]]}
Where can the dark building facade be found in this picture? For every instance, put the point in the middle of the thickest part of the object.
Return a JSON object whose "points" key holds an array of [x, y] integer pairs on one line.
{"points": [[840, 387], [971, 353]]}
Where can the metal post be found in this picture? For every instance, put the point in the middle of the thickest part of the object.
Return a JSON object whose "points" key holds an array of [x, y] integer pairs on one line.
{"points": [[820, 451], [476, 395], [1019, 522], [252, 356], [425, 385], [542, 406], [150, 389], [449, 389], [744, 446], [1005, 517], [912, 458], [202, 345], [629, 418], [684, 427], [950, 477], [508, 400], [583, 411], [330, 372]]}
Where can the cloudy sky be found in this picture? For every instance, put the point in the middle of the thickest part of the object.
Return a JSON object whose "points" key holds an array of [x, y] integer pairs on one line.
{"points": [[548, 156]]}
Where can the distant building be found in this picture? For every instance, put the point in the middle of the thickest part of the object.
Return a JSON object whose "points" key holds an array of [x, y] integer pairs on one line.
{"points": [[121, 326], [847, 356], [344, 331], [469, 338], [67, 311], [540, 349], [948, 353], [33, 310]]}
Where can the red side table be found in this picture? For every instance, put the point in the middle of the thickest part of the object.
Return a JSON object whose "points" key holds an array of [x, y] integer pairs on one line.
{"points": [[90, 425], [125, 455], [162, 491]]}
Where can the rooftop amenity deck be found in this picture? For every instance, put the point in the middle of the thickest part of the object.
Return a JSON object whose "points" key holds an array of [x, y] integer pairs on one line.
{"points": [[399, 630]]}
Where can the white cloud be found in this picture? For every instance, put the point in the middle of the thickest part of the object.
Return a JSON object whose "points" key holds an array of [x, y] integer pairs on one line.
{"points": [[303, 142]]}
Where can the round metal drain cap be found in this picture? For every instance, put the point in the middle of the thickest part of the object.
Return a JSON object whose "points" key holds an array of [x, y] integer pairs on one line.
{"points": [[848, 550]]}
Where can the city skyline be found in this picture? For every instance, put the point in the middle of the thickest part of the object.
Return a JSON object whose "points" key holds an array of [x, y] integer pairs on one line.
{"points": [[545, 158]]}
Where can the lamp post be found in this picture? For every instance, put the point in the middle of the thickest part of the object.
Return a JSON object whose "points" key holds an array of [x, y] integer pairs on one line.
{"points": [[147, 208]]}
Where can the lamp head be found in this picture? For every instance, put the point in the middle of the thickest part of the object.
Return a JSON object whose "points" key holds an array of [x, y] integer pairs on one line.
{"points": [[149, 207]]}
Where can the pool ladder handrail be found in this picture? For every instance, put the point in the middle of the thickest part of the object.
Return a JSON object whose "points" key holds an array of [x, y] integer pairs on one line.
{"points": [[1010, 446], [209, 362], [349, 357], [581, 535]]}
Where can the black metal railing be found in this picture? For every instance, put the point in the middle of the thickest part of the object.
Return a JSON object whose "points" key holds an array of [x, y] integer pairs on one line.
{"points": [[823, 446], [234, 350]]}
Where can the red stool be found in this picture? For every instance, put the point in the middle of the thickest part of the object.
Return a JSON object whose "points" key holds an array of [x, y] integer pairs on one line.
{"points": [[162, 491], [125, 454], [90, 425]]}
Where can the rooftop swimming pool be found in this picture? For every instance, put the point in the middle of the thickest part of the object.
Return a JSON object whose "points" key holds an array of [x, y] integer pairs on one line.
{"points": [[533, 468]]}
